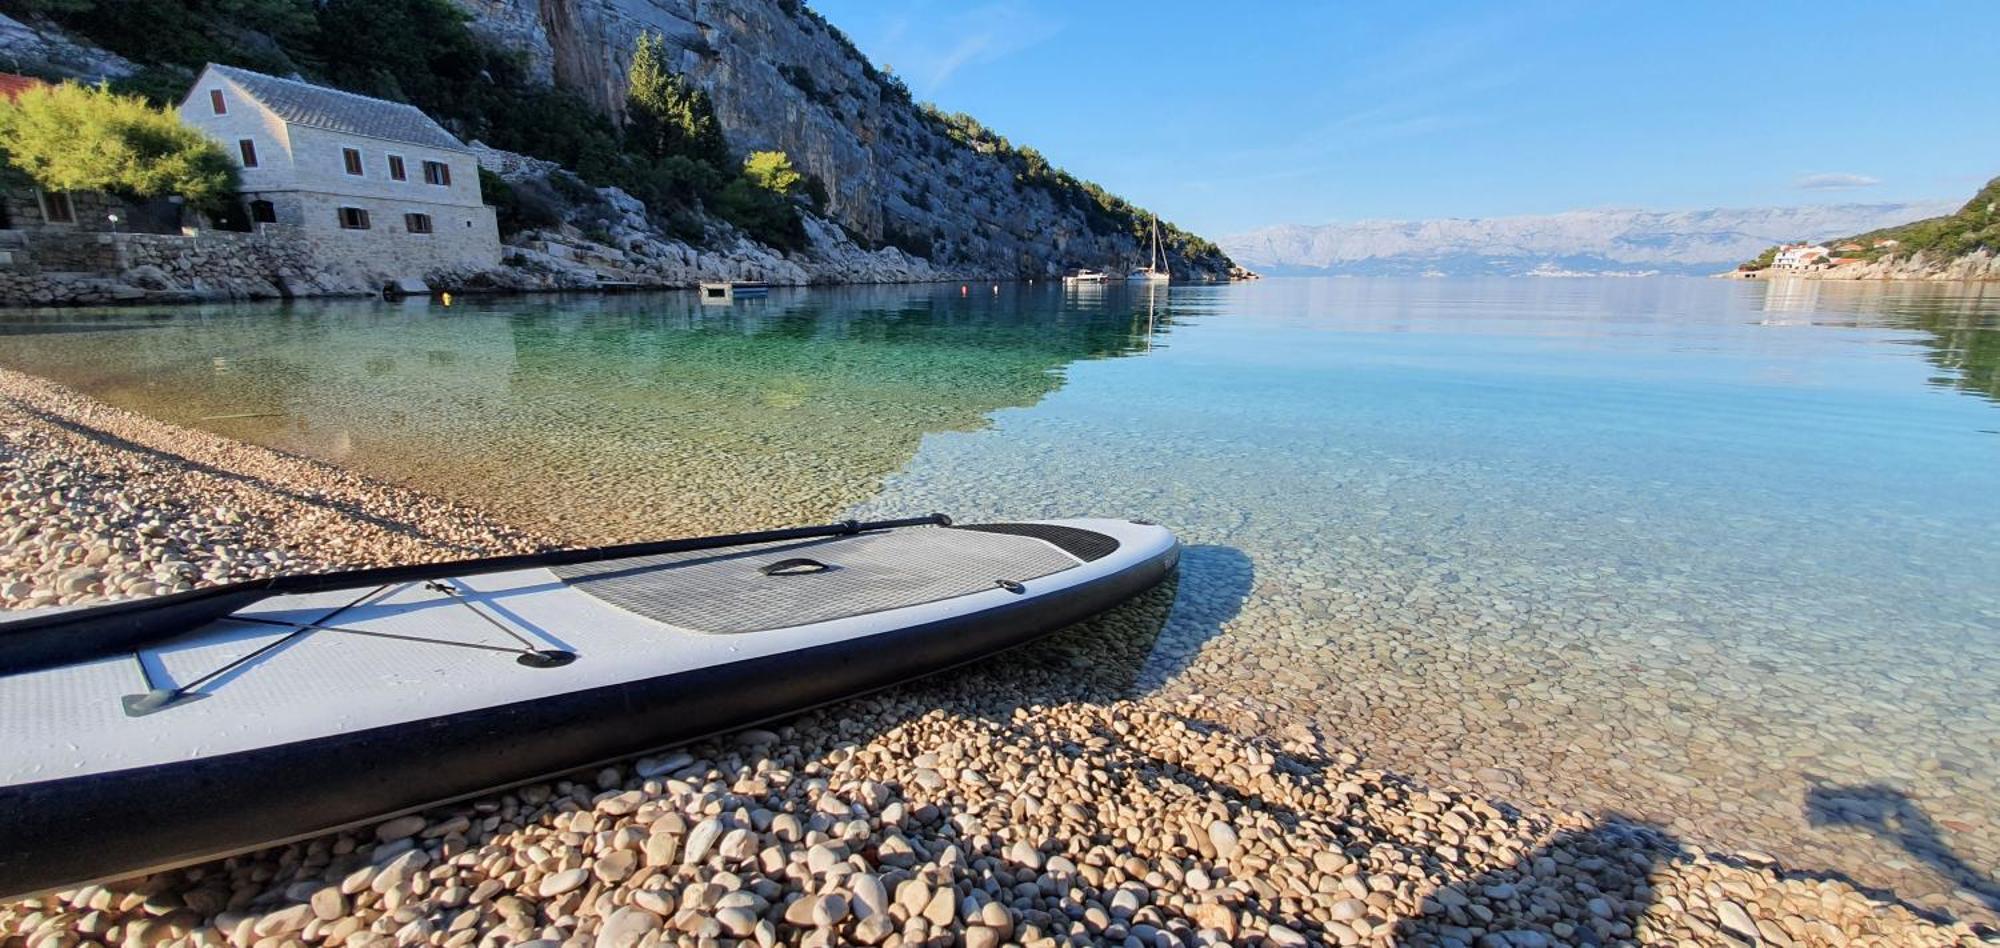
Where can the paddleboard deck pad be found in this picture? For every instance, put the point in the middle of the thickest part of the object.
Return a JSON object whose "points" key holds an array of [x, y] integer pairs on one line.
{"points": [[308, 705]]}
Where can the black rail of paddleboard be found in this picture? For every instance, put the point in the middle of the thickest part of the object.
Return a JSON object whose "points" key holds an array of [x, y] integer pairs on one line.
{"points": [[76, 635]]}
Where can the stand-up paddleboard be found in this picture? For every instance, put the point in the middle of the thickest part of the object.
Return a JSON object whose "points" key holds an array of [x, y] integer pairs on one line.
{"points": [[144, 735]]}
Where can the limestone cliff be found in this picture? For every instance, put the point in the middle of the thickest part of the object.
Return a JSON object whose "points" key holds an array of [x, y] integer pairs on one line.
{"points": [[781, 78]]}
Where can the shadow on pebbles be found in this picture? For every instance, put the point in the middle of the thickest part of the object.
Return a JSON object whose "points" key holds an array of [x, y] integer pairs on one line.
{"points": [[1052, 795]]}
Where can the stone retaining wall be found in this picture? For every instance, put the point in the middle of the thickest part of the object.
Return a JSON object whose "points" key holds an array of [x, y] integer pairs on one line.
{"points": [[67, 267]]}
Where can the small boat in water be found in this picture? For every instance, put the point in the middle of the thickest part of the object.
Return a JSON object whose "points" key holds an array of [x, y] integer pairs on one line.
{"points": [[1086, 277], [148, 734], [1155, 270]]}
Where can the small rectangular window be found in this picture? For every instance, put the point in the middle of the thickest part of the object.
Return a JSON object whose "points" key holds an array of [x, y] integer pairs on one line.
{"points": [[352, 157], [263, 212], [396, 171], [249, 150], [56, 208], [438, 173], [215, 102], [417, 223], [353, 218]]}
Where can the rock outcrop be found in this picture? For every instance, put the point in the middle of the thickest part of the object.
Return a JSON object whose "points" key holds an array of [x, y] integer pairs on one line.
{"points": [[781, 78], [607, 236], [1979, 265], [44, 51]]}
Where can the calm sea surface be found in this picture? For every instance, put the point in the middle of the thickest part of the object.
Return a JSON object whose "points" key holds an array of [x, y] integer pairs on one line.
{"points": [[1722, 556]]}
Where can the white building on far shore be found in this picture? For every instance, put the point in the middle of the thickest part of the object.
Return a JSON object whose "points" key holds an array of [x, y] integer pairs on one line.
{"points": [[374, 185], [1799, 256]]}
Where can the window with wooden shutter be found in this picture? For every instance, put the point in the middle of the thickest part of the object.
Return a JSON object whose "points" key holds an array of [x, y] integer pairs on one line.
{"points": [[56, 208], [248, 149], [353, 218], [352, 157], [215, 102], [396, 169], [438, 173], [417, 223]]}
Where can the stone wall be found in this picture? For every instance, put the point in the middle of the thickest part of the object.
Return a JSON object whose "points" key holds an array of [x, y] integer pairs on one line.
{"points": [[62, 267]]}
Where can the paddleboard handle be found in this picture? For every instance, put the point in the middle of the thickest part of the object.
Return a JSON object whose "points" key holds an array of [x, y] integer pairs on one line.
{"points": [[546, 658]]}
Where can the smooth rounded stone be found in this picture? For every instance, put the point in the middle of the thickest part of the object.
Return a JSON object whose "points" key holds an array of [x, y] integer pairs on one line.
{"points": [[942, 908], [829, 910], [1125, 903], [657, 901], [799, 912], [979, 936], [1198, 879], [756, 737], [329, 903], [874, 929], [626, 927], [616, 866], [649, 767], [1737, 921], [1223, 837], [566, 881], [821, 858], [1025, 854], [399, 828], [869, 895], [662, 847], [912, 895], [700, 840], [398, 870], [1280, 935], [738, 846], [737, 922], [620, 804], [1347, 910]]}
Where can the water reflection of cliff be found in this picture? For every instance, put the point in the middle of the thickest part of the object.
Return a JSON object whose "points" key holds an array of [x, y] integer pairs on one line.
{"points": [[1965, 344], [601, 417], [1958, 323]]}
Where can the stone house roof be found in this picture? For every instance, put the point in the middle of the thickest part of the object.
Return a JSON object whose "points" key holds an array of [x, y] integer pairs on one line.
{"points": [[302, 103], [12, 85]]}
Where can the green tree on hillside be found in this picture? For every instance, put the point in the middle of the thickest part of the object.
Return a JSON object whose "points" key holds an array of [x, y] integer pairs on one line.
{"points": [[772, 171], [760, 200], [666, 114], [76, 138]]}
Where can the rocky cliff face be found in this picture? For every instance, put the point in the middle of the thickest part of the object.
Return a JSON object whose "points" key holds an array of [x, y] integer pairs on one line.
{"points": [[781, 79]]}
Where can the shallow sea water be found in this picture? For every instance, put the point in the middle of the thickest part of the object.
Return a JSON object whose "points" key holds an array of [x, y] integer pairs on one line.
{"points": [[1719, 556]]}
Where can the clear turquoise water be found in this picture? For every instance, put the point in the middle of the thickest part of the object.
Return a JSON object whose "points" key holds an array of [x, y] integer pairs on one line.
{"points": [[1720, 555]]}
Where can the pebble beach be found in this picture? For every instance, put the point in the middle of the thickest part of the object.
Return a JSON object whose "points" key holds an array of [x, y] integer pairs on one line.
{"points": [[1059, 794]]}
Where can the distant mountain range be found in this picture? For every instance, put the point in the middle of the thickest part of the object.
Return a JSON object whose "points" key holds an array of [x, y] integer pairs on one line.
{"points": [[1574, 243]]}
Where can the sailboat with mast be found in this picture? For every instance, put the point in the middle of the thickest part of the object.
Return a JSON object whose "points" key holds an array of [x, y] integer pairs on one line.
{"points": [[1155, 270]]}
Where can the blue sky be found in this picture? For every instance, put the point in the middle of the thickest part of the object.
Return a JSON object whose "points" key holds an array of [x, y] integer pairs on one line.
{"points": [[1225, 117]]}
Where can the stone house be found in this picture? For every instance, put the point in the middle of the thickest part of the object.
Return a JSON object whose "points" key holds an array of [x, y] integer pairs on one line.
{"points": [[374, 186]]}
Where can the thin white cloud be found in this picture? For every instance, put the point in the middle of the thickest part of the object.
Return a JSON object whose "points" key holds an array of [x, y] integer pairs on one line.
{"points": [[979, 35], [1835, 181]]}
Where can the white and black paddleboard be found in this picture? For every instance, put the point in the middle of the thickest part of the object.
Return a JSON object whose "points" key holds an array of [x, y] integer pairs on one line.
{"points": [[144, 735]]}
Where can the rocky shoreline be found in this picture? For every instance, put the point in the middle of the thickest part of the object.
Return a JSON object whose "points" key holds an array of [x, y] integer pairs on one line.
{"points": [[1980, 266], [1038, 799]]}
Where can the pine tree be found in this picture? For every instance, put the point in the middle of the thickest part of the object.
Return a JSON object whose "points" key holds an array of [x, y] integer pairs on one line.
{"points": [[666, 114]]}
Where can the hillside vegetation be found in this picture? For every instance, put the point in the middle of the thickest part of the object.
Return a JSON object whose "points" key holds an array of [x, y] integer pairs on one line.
{"points": [[666, 145], [1972, 228]]}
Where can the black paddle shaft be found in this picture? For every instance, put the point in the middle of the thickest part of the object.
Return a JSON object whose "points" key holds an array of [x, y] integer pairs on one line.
{"points": [[75, 635]]}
